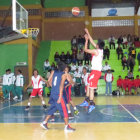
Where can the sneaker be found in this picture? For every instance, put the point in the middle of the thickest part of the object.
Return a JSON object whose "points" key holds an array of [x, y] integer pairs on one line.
{"points": [[44, 126], [27, 108], [45, 107], [70, 116], [85, 103], [15, 98], [91, 107], [76, 112], [69, 129], [57, 113], [110, 94]]}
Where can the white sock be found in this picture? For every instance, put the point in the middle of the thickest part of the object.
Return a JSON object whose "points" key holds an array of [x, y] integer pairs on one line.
{"points": [[66, 126], [29, 103], [69, 112], [44, 122], [43, 102], [75, 108]]}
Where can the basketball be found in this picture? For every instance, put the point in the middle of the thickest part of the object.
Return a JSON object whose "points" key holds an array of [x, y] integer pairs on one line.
{"points": [[75, 11]]}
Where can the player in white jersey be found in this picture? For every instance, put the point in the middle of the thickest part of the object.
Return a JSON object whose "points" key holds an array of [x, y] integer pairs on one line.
{"points": [[36, 82], [5, 85], [19, 83], [96, 62]]}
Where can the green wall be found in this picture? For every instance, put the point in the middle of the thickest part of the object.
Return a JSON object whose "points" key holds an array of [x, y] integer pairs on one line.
{"points": [[10, 54], [64, 3], [43, 54]]}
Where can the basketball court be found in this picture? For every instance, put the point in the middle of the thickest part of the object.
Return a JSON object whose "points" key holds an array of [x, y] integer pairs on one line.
{"points": [[113, 117]]}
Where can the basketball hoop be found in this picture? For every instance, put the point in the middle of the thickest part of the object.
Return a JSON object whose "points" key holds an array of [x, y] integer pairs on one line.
{"points": [[32, 32]]}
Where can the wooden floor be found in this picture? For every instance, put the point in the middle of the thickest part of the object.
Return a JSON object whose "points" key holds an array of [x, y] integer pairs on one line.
{"points": [[115, 118]]}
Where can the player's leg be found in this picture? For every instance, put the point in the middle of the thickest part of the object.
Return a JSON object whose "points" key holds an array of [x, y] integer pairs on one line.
{"points": [[52, 109], [5, 93], [63, 112]]}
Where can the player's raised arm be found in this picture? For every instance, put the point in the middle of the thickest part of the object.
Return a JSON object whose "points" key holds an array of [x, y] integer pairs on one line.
{"points": [[93, 51], [90, 38]]}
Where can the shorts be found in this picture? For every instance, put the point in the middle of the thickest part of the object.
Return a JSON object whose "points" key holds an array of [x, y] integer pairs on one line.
{"points": [[38, 91], [67, 94], [58, 107], [93, 79]]}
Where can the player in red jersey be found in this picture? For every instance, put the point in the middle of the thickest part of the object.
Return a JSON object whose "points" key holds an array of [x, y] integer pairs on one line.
{"points": [[125, 84], [120, 84], [96, 62], [137, 84], [131, 85]]}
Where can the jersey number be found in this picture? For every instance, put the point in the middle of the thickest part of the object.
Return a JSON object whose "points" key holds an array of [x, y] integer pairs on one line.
{"points": [[55, 81]]}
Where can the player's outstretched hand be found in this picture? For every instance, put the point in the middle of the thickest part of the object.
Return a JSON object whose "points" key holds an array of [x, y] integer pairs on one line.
{"points": [[86, 37]]}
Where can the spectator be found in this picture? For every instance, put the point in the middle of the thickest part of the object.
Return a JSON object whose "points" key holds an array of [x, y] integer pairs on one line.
{"points": [[46, 65], [80, 68], [73, 42], [80, 42], [125, 42], [48, 74], [63, 57], [133, 52], [119, 52], [111, 41], [80, 57], [73, 67], [131, 63], [120, 40], [130, 75], [129, 39], [108, 79], [106, 53], [88, 68], [85, 78], [137, 83], [131, 86], [125, 63], [120, 84], [57, 57], [130, 49], [106, 67], [77, 76], [68, 58], [53, 67], [87, 57], [136, 38], [138, 58], [126, 84], [74, 57]]}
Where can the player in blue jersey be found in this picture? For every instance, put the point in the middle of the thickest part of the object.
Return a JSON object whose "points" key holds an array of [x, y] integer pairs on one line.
{"points": [[67, 93], [56, 81]]}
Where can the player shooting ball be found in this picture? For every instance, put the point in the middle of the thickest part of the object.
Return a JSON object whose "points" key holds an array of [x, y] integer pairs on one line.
{"points": [[96, 67]]}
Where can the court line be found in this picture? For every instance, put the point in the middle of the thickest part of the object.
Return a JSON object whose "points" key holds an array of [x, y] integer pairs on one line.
{"points": [[129, 112]]}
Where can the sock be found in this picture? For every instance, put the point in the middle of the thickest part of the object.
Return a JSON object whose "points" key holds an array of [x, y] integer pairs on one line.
{"points": [[29, 103], [69, 112], [91, 102], [44, 122], [75, 108], [43, 102], [66, 126], [87, 98]]}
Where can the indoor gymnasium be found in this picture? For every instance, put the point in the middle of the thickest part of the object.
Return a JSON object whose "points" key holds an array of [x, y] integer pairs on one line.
{"points": [[69, 69]]}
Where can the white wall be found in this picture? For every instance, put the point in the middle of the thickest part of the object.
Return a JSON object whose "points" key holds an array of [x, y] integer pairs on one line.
{"points": [[103, 12]]}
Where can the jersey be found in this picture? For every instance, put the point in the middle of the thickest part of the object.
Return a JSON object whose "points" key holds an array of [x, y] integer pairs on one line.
{"points": [[5, 80], [56, 83], [11, 79], [96, 61], [66, 83], [85, 78], [36, 82], [19, 80]]}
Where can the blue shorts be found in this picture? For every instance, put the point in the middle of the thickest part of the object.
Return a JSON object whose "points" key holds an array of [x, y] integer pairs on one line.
{"points": [[60, 107]]}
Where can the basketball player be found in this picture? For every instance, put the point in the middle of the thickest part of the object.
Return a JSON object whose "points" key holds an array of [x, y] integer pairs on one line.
{"points": [[67, 93], [56, 80], [36, 82], [96, 62]]}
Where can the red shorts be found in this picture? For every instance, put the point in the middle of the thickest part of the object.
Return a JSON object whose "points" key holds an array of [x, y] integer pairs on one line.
{"points": [[36, 91], [93, 78]]}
